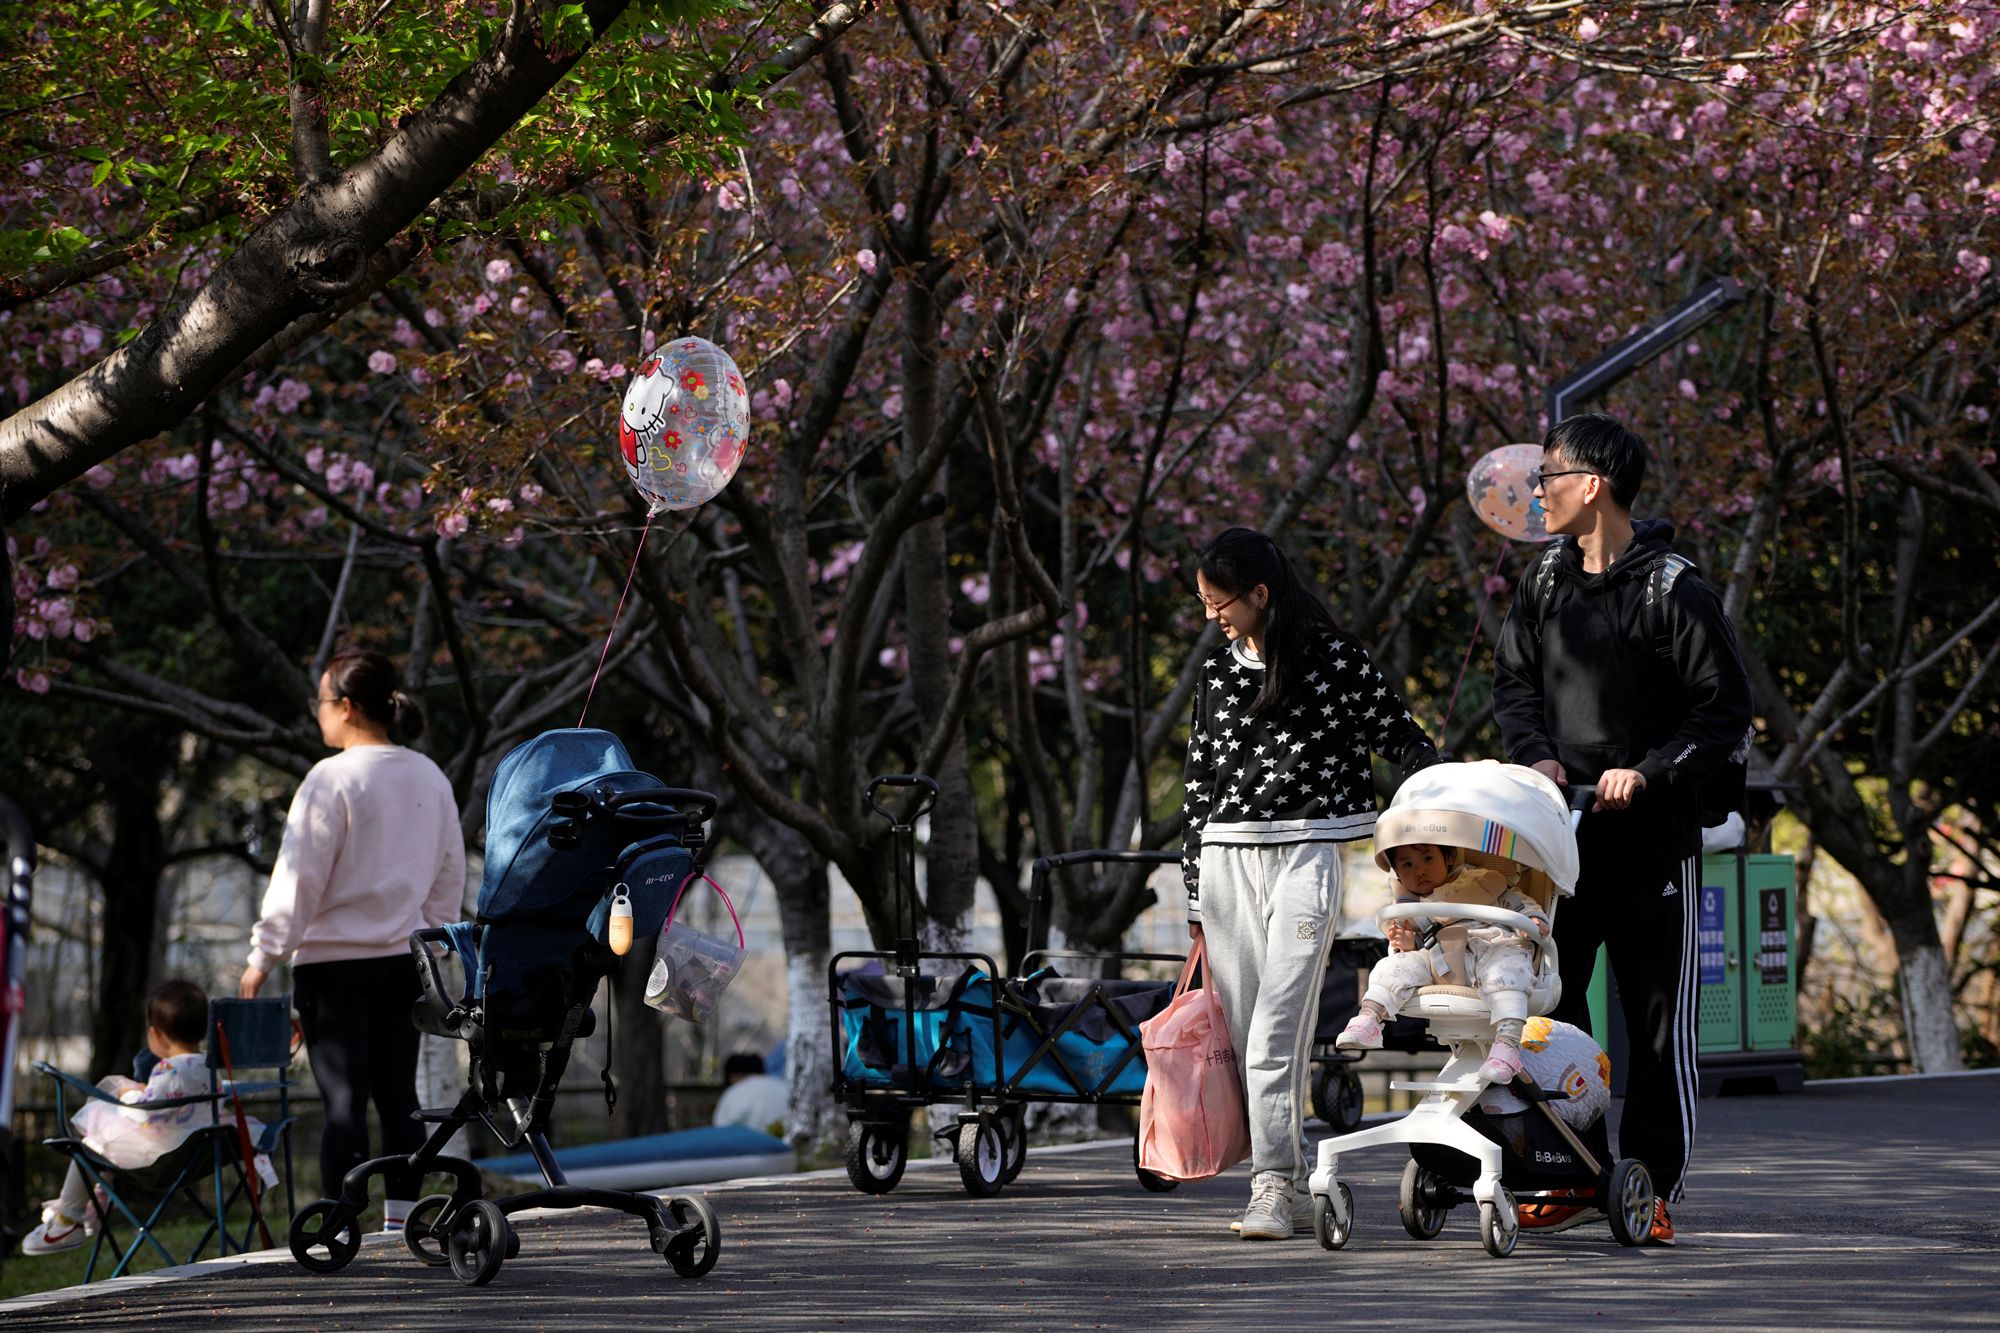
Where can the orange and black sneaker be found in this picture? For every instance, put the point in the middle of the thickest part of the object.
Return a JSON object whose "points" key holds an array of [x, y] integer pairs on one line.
{"points": [[1560, 1211], [1663, 1226]]}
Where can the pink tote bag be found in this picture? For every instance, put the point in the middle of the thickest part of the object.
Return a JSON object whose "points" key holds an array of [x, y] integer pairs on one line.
{"points": [[1192, 1122]]}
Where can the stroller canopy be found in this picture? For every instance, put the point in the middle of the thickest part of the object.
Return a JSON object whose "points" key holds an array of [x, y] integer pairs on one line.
{"points": [[524, 874], [1501, 815]]}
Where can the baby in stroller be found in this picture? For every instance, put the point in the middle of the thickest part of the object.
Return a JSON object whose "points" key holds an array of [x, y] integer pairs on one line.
{"points": [[1498, 960], [1513, 824]]}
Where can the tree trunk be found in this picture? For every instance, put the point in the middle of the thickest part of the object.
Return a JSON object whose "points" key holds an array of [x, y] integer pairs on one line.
{"points": [[815, 1121], [1927, 1012], [799, 877], [1930, 1017], [951, 859], [131, 888], [1895, 876], [324, 248], [638, 1050]]}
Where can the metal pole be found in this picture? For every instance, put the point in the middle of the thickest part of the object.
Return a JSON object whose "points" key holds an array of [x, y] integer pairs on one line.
{"points": [[1578, 388]]}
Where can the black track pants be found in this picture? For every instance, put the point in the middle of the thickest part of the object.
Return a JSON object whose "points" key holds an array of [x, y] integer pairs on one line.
{"points": [[1636, 897], [355, 1014]]}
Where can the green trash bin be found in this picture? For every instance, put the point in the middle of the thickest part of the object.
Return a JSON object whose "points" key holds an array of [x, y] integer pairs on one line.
{"points": [[1746, 956], [1746, 961]]}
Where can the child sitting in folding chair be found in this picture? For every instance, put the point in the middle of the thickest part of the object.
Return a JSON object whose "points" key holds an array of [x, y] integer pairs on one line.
{"points": [[126, 1133]]}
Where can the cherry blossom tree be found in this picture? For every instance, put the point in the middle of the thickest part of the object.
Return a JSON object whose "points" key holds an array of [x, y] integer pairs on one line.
{"points": [[1031, 298]]}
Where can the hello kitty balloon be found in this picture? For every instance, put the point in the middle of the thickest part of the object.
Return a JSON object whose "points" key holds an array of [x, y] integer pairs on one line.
{"points": [[684, 424], [1501, 488]]}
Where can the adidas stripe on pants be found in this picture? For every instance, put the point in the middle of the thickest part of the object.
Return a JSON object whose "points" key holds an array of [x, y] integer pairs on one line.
{"points": [[1636, 897]]}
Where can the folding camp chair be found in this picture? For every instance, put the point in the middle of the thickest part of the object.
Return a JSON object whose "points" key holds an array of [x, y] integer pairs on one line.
{"points": [[212, 1169], [251, 1036]]}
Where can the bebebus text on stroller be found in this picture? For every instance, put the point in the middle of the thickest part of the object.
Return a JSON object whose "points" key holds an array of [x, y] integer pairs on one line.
{"points": [[1513, 820], [571, 827]]}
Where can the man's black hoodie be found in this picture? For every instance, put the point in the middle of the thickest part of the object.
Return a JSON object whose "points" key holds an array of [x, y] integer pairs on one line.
{"points": [[1590, 687]]}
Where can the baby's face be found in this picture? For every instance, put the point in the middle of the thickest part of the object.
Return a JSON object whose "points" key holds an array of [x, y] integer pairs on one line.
{"points": [[1419, 868]]}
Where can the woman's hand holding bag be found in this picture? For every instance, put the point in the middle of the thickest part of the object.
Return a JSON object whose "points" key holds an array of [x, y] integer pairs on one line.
{"points": [[1192, 1120]]}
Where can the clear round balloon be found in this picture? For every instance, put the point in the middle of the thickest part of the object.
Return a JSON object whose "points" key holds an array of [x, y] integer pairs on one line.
{"points": [[684, 424], [1501, 490]]}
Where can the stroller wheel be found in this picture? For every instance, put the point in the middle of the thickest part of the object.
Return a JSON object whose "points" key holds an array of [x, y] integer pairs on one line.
{"points": [[477, 1244], [323, 1238], [691, 1238], [1014, 1139], [982, 1157], [1153, 1184], [1500, 1225], [1327, 1226], [1337, 1098], [1416, 1202], [877, 1154], [1630, 1195], [421, 1232]]}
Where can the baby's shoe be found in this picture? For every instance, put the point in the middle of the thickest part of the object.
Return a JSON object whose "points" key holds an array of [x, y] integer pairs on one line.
{"points": [[55, 1232], [1362, 1033], [1502, 1063]]}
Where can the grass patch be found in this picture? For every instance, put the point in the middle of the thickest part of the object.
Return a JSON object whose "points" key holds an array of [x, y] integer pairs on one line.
{"points": [[22, 1274]]}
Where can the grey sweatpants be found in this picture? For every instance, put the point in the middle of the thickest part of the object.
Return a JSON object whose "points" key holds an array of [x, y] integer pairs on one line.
{"points": [[1267, 911]]}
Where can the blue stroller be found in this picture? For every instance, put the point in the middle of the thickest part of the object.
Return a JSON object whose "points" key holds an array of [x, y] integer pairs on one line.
{"points": [[569, 826]]}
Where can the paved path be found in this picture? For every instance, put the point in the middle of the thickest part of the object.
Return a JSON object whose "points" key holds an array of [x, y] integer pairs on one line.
{"points": [[1868, 1204]]}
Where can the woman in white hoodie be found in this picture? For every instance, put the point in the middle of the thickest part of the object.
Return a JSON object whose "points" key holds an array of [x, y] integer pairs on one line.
{"points": [[372, 851]]}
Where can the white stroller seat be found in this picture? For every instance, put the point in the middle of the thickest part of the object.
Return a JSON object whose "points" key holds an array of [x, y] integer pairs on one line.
{"points": [[1507, 818], [1445, 1000]]}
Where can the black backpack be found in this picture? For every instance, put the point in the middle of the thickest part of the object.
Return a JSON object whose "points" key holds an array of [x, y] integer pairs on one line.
{"points": [[1722, 792]]}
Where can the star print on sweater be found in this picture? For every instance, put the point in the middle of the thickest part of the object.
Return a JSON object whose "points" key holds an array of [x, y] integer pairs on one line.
{"points": [[1297, 771]]}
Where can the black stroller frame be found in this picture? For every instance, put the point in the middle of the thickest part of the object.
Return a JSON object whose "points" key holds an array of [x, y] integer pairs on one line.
{"points": [[461, 1229]]}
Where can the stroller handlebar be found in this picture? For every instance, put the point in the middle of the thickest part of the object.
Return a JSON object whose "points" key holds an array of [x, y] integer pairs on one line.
{"points": [[431, 979], [657, 804], [649, 807], [1580, 794]]}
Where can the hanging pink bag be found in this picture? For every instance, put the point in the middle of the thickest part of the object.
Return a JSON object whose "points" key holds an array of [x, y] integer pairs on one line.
{"points": [[1192, 1121], [693, 967]]}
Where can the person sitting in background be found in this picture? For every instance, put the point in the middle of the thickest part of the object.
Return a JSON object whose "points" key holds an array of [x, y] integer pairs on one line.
{"points": [[127, 1133], [751, 1097]]}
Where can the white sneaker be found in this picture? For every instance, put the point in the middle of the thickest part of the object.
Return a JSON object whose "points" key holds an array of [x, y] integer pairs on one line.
{"points": [[1269, 1216], [1302, 1209], [55, 1232]]}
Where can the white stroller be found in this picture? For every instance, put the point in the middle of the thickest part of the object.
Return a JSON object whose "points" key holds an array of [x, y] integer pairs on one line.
{"points": [[1514, 820]]}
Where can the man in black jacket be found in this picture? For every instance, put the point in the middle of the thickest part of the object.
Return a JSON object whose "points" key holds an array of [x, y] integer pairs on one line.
{"points": [[1617, 666]]}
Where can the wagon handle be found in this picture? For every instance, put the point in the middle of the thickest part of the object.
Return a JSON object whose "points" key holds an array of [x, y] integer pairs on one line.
{"points": [[924, 803]]}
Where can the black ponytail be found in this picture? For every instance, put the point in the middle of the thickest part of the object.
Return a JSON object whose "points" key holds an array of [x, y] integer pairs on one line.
{"points": [[1239, 559], [368, 680]]}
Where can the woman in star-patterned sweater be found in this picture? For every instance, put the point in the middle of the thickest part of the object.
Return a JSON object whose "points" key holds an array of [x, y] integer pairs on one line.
{"points": [[1285, 715]]}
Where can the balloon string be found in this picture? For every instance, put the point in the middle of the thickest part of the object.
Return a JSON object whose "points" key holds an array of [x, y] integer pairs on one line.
{"points": [[612, 632], [1485, 601]]}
